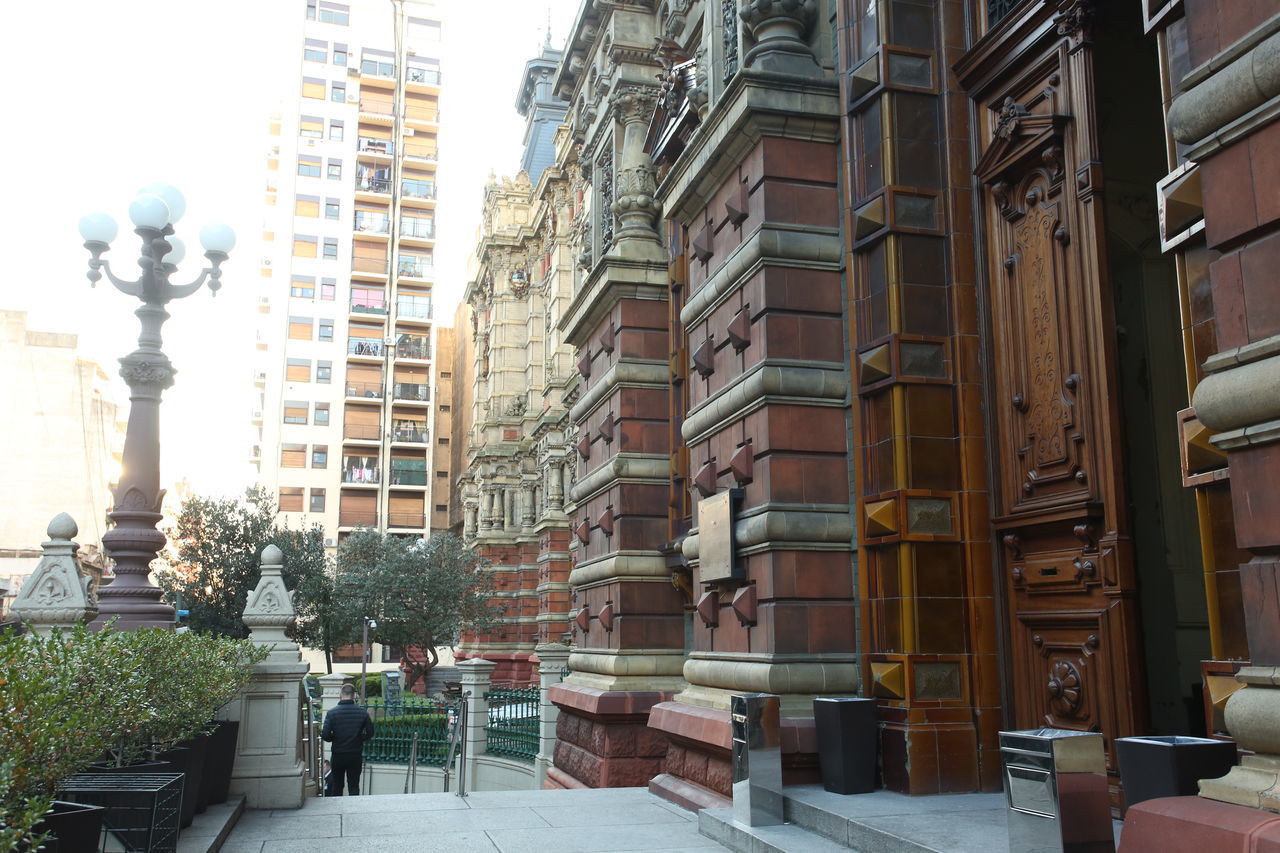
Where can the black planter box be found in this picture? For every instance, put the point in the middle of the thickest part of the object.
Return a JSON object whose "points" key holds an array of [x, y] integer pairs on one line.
{"points": [[1170, 766], [219, 760], [188, 760], [847, 732], [76, 827]]}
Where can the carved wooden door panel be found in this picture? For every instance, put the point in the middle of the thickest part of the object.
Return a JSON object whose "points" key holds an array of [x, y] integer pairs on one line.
{"points": [[1061, 511]]}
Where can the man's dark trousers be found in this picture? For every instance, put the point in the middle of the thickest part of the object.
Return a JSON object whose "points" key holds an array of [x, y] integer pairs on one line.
{"points": [[345, 767]]}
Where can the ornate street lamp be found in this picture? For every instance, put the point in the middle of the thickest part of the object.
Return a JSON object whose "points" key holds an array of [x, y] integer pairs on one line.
{"points": [[134, 541]]}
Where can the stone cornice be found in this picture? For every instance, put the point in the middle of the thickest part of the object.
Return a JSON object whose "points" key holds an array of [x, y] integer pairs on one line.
{"points": [[629, 374], [769, 381], [613, 279], [756, 104], [623, 468], [621, 565]]}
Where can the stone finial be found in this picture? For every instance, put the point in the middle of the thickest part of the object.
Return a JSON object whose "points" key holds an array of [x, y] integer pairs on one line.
{"points": [[269, 609], [779, 28], [56, 593]]}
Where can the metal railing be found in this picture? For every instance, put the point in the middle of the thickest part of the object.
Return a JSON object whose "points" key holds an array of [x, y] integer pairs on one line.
{"points": [[370, 184], [411, 391], [406, 519], [408, 476], [413, 308], [424, 228], [396, 723], [424, 75], [512, 729], [405, 432], [418, 189], [360, 475], [415, 267], [312, 718], [371, 432], [372, 223], [365, 346], [367, 390], [373, 145], [417, 347], [366, 306]]}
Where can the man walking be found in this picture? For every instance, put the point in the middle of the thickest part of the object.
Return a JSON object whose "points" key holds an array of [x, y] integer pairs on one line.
{"points": [[347, 726]]}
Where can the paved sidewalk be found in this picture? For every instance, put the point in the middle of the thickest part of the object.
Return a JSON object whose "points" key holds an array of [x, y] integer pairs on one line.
{"points": [[609, 820]]}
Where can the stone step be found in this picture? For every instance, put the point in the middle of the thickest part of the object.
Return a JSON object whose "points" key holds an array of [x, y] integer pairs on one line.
{"points": [[720, 827]]}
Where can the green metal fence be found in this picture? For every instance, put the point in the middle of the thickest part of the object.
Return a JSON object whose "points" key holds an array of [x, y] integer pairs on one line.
{"points": [[395, 724], [513, 722]]}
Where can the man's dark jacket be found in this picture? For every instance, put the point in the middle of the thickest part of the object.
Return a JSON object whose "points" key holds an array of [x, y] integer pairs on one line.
{"points": [[347, 726]]}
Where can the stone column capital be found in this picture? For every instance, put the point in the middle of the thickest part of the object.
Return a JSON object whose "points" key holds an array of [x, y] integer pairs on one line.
{"points": [[779, 28], [634, 103]]}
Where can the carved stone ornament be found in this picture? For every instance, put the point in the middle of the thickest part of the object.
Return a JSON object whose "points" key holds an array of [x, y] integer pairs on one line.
{"points": [[634, 103], [779, 28], [56, 593], [270, 606]]}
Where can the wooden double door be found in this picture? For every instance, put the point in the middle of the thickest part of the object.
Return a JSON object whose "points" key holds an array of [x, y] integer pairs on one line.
{"points": [[1057, 439]]}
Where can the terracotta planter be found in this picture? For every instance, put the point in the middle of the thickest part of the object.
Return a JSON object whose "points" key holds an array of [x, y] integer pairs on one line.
{"points": [[76, 827], [215, 784]]}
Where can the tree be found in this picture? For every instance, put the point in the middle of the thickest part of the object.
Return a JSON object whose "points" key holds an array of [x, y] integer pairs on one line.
{"points": [[423, 593], [214, 564]]}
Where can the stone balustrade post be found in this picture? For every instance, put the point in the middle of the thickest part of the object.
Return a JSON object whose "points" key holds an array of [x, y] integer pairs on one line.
{"points": [[553, 663], [330, 689], [56, 594], [270, 771], [476, 677]]}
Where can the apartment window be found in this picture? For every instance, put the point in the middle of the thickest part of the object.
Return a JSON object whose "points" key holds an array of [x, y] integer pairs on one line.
{"points": [[314, 50], [335, 131], [303, 287], [322, 414], [311, 10], [306, 205], [338, 93], [334, 13], [332, 208], [293, 456], [442, 507], [443, 441], [313, 87], [335, 170], [308, 167], [295, 411], [445, 374], [312, 127], [317, 500], [331, 248], [319, 456], [290, 499], [442, 473], [298, 370], [444, 408], [326, 331], [376, 65], [324, 372], [328, 289], [304, 246], [300, 328], [339, 54]]}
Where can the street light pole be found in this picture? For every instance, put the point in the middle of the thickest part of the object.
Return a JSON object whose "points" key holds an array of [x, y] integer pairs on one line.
{"points": [[134, 541]]}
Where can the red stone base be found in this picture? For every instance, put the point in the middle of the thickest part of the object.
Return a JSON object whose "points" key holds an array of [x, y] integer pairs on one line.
{"points": [[603, 739], [1197, 825], [686, 794], [512, 667]]}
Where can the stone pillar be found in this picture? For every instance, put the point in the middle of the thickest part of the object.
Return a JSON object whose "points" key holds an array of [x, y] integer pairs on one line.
{"points": [[475, 675], [470, 521], [553, 660], [635, 206], [269, 770], [508, 508], [555, 487], [330, 688], [779, 28], [486, 508], [528, 508], [56, 594]]}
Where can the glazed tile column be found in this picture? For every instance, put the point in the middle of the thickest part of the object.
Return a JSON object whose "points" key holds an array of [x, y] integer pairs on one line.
{"points": [[629, 634], [756, 191], [927, 605]]}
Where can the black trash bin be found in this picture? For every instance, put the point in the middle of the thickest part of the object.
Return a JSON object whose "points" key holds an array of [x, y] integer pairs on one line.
{"points": [[847, 733], [1170, 766]]}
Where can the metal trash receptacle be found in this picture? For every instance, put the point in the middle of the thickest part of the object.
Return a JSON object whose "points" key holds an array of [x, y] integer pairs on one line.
{"points": [[757, 759], [847, 730], [1153, 766], [1055, 784]]}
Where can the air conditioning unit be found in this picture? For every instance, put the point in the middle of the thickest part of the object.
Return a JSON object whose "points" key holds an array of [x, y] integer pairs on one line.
{"points": [[331, 543], [353, 99]]}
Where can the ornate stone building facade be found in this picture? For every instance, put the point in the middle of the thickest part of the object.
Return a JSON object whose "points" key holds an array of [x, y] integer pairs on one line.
{"points": [[921, 352]]}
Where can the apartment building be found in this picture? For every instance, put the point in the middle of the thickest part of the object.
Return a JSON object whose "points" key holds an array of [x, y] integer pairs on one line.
{"points": [[344, 424]]}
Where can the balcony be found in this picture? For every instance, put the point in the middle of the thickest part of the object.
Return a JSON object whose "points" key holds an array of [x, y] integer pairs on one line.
{"points": [[362, 432], [417, 229], [357, 517], [410, 432], [406, 519], [374, 68], [412, 188], [369, 267], [373, 223], [409, 266], [411, 392], [375, 147], [354, 473], [368, 306], [367, 183], [423, 76], [413, 309], [408, 476], [365, 390], [366, 347], [414, 346], [377, 111]]}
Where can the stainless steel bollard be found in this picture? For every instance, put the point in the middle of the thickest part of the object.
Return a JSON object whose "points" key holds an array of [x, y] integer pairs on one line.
{"points": [[757, 759], [1055, 785]]}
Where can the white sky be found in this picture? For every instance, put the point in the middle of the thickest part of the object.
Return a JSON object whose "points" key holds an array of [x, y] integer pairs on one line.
{"points": [[107, 96]]}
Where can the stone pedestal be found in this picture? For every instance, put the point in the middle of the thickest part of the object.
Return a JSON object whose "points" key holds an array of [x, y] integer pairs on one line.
{"points": [[553, 659], [56, 595], [331, 690], [476, 674], [270, 772]]}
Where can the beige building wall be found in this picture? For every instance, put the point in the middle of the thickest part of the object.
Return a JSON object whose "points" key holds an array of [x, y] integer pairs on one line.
{"points": [[463, 396], [63, 431], [445, 466]]}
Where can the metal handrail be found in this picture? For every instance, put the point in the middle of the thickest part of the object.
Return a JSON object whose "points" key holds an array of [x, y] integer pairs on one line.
{"points": [[369, 390], [365, 346]]}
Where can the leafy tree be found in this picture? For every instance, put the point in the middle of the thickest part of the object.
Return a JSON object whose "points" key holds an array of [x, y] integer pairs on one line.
{"points": [[423, 593], [214, 564]]}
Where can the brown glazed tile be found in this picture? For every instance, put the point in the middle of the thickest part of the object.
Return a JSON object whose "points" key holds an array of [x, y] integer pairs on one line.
{"points": [[1264, 157], [1259, 263], [799, 160], [1229, 207], [1202, 30], [1228, 301], [940, 625]]}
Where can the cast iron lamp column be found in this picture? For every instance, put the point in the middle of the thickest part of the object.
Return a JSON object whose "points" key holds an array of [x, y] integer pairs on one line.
{"points": [[134, 541]]}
